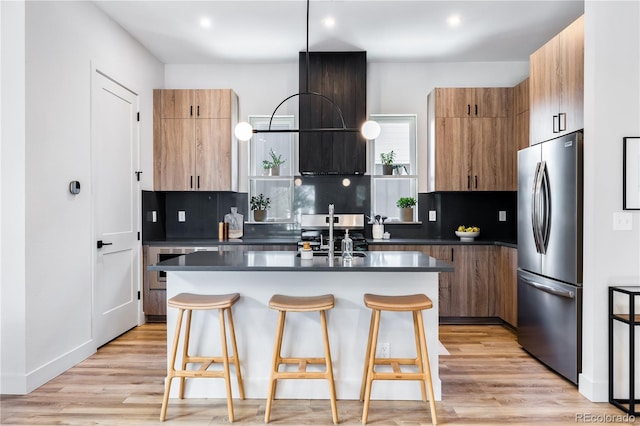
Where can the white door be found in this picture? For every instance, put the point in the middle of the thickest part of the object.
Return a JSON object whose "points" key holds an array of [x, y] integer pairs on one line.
{"points": [[115, 202]]}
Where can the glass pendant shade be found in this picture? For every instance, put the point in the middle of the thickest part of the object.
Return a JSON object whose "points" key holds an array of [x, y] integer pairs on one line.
{"points": [[370, 129], [243, 131]]}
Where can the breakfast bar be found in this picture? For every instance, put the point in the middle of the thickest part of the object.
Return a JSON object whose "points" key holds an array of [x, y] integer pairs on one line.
{"points": [[258, 275]]}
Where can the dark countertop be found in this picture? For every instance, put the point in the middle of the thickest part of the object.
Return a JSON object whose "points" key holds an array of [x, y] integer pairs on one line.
{"points": [[382, 261], [191, 242]]}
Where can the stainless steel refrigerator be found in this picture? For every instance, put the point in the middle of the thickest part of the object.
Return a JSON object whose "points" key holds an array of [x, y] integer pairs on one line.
{"points": [[550, 253]]}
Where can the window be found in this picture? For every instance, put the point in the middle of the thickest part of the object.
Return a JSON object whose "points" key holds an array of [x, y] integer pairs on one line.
{"points": [[397, 134], [275, 181]]}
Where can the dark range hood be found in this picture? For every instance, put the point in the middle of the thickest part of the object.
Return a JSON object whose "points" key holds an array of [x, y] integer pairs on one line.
{"points": [[341, 76]]}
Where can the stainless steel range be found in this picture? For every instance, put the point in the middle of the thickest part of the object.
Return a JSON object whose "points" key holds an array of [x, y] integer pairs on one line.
{"points": [[315, 230]]}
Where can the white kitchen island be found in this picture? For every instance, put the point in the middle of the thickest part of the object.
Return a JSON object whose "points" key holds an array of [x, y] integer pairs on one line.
{"points": [[259, 275]]}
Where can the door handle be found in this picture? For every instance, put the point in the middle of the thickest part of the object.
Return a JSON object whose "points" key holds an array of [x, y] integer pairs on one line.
{"points": [[549, 289], [101, 244]]}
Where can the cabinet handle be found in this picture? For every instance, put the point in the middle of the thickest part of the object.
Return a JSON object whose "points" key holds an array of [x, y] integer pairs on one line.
{"points": [[191, 111], [468, 181], [476, 109], [562, 121], [198, 113], [452, 254], [556, 129], [476, 179], [468, 109], [191, 182], [198, 182]]}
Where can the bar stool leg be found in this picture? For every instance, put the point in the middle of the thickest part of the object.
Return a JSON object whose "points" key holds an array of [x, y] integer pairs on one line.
{"points": [[171, 367], [185, 352], [274, 366], [225, 363], [236, 357], [423, 343], [366, 358], [419, 354], [327, 354], [372, 356]]}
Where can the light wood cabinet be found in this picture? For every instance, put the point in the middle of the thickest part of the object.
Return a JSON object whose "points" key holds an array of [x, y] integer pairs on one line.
{"points": [[507, 294], [520, 126], [194, 147], [471, 152], [473, 102], [556, 85], [468, 291]]}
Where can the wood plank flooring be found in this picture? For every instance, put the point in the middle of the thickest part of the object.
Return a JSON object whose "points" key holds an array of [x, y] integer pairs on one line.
{"points": [[486, 379]]}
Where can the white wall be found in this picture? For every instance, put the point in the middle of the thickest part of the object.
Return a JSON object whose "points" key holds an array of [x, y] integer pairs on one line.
{"points": [[63, 41], [612, 111], [12, 197], [392, 88]]}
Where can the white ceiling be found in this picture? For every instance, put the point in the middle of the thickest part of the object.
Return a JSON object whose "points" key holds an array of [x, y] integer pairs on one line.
{"points": [[264, 31]]}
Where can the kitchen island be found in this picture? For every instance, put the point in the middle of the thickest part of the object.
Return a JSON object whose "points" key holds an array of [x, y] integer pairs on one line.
{"points": [[257, 275]]}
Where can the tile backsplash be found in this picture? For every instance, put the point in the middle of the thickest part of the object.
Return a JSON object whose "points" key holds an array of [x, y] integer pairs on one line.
{"points": [[203, 211]]}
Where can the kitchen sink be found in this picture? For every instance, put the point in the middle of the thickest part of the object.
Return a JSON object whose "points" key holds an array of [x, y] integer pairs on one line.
{"points": [[337, 253]]}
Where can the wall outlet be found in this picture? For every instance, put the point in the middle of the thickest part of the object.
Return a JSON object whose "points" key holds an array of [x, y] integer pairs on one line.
{"points": [[622, 221], [383, 350], [502, 216], [182, 217], [154, 216], [432, 215]]}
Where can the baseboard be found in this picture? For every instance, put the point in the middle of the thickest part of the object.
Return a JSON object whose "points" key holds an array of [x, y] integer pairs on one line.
{"points": [[57, 366], [471, 320], [593, 391]]}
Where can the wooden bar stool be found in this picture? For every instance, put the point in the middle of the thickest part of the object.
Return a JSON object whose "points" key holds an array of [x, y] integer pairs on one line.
{"points": [[191, 302], [414, 303], [286, 304]]}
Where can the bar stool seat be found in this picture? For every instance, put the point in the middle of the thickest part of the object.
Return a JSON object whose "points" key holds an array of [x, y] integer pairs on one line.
{"points": [[414, 303], [191, 302], [285, 304]]}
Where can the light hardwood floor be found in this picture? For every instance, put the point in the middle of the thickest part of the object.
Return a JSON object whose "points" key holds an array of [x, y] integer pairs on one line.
{"points": [[486, 379]]}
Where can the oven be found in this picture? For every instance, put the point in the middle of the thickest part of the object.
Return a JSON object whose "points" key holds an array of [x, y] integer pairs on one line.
{"points": [[315, 230]]}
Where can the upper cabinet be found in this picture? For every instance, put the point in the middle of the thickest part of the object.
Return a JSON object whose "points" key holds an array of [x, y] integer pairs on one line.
{"points": [[341, 77], [556, 85], [473, 102], [520, 123], [194, 148], [470, 152]]}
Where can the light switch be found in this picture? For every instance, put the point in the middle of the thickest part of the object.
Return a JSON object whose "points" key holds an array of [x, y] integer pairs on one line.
{"points": [[154, 216], [432, 215], [622, 221], [181, 216], [502, 216]]}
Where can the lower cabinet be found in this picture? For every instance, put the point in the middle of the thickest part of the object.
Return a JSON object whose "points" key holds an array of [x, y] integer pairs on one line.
{"points": [[482, 285]]}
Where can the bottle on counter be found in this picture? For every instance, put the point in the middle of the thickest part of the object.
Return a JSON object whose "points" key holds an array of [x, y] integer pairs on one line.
{"points": [[347, 246], [307, 252]]}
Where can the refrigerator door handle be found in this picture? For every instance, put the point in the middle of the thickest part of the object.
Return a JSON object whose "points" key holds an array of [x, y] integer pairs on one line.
{"points": [[545, 227], [535, 208], [548, 289]]}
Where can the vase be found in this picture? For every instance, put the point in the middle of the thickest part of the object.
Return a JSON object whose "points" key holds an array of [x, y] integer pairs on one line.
{"points": [[377, 230], [406, 214], [387, 169], [236, 222], [274, 171], [259, 215]]}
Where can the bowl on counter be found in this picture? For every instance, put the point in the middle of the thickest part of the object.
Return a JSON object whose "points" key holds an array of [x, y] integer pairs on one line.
{"points": [[467, 236]]}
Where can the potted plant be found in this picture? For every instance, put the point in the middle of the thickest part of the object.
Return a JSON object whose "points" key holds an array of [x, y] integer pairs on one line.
{"points": [[386, 158], [259, 205], [273, 165], [406, 208]]}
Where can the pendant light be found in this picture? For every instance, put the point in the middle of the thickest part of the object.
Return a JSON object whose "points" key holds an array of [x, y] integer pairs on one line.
{"points": [[369, 130]]}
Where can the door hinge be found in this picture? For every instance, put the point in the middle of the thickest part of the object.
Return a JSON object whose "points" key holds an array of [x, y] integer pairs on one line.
{"points": [[138, 115], [138, 294], [138, 235]]}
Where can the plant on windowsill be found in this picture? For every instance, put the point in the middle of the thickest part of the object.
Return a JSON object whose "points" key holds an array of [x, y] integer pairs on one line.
{"points": [[386, 158], [406, 208], [260, 204], [272, 166]]}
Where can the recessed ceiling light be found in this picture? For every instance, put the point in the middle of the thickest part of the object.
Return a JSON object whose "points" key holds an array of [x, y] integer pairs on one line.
{"points": [[205, 22], [454, 20], [329, 22]]}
